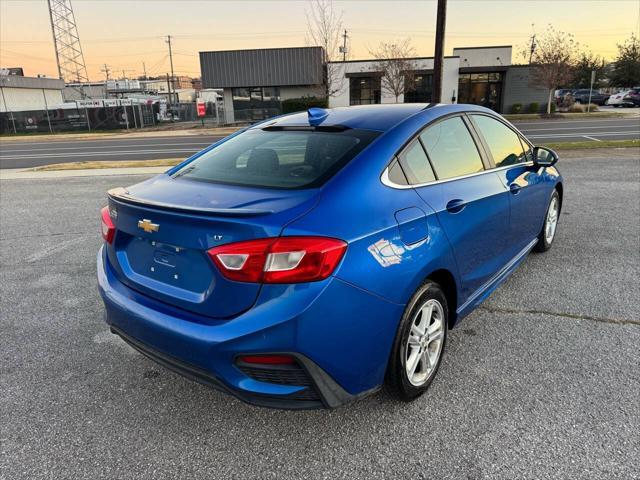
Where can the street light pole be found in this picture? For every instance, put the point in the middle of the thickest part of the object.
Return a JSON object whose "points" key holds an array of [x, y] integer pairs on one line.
{"points": [[438, 60]]}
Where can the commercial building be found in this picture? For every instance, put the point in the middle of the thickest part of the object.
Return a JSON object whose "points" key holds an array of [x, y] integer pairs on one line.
{"points": [[255, 82], [359, 82], [20, 94]]}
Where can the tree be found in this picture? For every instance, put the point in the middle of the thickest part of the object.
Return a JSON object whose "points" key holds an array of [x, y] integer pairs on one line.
{"points": [[587, 63], [626, 70], [393, 61], [324, 27], [554, 60]]}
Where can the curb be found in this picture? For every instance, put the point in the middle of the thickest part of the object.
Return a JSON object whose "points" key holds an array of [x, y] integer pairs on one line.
{"points": [[22, 174]]}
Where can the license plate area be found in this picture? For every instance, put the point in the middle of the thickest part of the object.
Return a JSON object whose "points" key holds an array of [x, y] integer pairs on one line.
{"points": [[170, 269]]}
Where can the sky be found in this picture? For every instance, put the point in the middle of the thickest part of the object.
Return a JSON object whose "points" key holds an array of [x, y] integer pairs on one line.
{"points": [[125, 33]]}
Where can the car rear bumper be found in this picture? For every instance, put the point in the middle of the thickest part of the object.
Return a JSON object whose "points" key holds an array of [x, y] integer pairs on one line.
{"points": [[339, 334]]}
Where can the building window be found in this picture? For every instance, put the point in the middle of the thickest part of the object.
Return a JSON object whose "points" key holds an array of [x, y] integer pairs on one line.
{"points": [[481, 89], [256, 103], [419, 89], [364, 90]]}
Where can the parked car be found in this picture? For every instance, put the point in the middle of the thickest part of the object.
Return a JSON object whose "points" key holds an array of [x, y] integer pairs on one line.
{"points": [[582, 96], [626, 98], [312, 258]]}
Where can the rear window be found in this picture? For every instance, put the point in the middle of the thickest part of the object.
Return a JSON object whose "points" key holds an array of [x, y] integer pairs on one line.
{"points": [[278, 159]]}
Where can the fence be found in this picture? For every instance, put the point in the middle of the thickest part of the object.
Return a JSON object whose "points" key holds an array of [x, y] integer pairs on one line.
{"points": [[77, 119], [92, 118]]}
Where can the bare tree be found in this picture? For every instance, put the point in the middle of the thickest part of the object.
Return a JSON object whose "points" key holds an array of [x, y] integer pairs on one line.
{"points": [[394, 62], [324, 27], [554, 60]]}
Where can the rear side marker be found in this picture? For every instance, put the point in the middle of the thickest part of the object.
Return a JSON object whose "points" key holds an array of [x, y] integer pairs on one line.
{"points": [[268, 359], [279, 260]]}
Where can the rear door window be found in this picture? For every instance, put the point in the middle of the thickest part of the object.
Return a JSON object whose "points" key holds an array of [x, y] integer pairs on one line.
{"points": [[416, 165], [298, 158], [451, 149], [504, 144]]}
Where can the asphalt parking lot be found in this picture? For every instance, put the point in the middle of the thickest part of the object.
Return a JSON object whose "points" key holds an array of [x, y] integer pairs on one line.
{"points": [[542, 382]]}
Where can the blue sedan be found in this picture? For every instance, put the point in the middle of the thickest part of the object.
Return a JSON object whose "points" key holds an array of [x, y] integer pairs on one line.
{"points": [[310, 259]]}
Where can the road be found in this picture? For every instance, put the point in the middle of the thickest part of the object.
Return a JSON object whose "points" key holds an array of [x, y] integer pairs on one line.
{"points": [[19, 154], [541, 382], [35, 153], [552, 131]]}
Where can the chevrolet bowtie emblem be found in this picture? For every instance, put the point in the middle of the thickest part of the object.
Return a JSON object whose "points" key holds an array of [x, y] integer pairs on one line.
{"points": [[148, 226]]}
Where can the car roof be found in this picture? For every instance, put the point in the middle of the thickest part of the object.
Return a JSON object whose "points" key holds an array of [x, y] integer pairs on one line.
{"points": [[370, 117]]}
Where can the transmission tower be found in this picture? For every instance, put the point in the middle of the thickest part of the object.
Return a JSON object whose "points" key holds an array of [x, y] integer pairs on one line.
{"points": [[71, 66]]}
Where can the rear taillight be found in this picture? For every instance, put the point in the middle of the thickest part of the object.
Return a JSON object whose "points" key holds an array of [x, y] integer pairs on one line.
{"points": [[108, 228], [279, 260]]}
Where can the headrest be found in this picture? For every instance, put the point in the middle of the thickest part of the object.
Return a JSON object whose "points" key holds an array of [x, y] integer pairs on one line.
{"points": [[263, 160]]}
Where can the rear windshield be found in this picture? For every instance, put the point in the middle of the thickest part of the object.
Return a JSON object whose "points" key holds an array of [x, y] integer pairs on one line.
{"points": [[278, 159]]}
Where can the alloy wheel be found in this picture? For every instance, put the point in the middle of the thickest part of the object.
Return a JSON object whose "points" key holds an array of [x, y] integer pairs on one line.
{"points": [[551, 221], [424, 345]]}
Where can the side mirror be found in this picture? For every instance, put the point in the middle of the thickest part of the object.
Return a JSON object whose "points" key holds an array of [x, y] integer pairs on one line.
{"points": [[544, 157]]}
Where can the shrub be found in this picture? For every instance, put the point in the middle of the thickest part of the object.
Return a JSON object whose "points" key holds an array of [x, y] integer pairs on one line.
{"points": [[580, 108], [291, 105], [515, 108], [553, 107], [534, 107]]}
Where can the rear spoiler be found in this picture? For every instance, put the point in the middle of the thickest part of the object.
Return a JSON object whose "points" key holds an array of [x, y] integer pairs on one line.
{"points": [[122, 195]]}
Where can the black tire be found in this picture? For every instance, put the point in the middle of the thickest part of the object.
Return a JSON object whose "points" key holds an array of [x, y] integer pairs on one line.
{"points": [[397, 381], [543, 243]]}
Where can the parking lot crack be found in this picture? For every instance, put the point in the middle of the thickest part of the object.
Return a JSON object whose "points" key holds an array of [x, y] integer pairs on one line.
{"points": [[575, 316], [36, 235]]}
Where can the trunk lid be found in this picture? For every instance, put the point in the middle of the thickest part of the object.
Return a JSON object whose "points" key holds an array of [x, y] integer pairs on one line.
{"points": [[164, 227]]}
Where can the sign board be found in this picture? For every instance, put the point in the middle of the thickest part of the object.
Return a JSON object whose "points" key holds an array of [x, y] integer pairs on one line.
{"points": [[89, 103], [202, 109], [110, 102]]}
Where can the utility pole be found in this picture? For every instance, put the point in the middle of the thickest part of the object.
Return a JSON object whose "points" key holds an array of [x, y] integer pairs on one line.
{"points": [[171, 63], [169, 91], [344, 46], [441, 20], [106, 71], [144, 69]]}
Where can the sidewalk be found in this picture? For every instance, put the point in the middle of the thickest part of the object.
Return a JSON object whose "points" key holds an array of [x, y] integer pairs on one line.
{"points": [[222, 131]]}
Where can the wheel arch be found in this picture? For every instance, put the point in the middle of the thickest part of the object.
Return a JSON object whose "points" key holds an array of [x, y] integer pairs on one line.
{"points": [[560, 188], [447, 282]]}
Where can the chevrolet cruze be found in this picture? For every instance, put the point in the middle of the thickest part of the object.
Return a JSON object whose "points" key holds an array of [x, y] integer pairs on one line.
{"points": [[308, 260]]}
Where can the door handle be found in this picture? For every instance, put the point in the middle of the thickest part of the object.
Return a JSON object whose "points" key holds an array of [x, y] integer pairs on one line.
{"points": [[456, 205], [515, 188]]}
